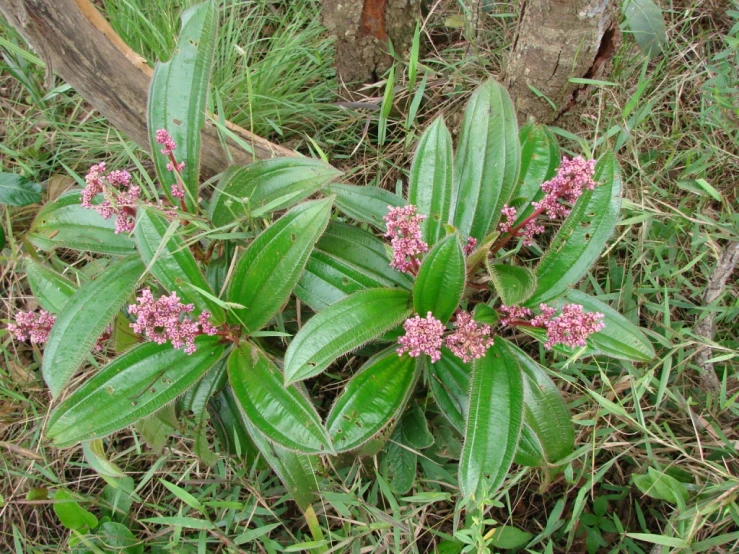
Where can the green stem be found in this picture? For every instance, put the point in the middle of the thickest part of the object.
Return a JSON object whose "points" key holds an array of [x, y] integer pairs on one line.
{"points": [[315, 529]]}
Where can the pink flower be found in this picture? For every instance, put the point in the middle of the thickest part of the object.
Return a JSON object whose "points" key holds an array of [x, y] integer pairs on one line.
{"points": [[513, 313], [529, 231], [422, 336], [469, 248], [168, 319], [571, 327], [120, 198], [166, 140], [404, 230], [510, 214], [177, 191], [33, 326], [470, 340], [572, 177]]}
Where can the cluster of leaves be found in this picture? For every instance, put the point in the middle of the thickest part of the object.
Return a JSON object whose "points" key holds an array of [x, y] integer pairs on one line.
{"points": [[259, 243]]}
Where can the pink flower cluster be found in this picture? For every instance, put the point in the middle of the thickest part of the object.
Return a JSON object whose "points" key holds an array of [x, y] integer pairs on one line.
{"points": [[571, 327], [35, 326], [166, 140], [469, 248], [426, 336], [404, 230], [168, 319], [120, 197]]}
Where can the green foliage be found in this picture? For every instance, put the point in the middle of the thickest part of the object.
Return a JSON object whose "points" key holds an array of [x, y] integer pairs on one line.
{"points": [[15, 190]]}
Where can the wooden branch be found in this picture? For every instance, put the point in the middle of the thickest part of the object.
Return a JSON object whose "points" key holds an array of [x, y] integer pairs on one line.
{"points": [[79, 45]]}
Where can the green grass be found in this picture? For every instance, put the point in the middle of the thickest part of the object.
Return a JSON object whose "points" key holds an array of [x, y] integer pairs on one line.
{"points": [[673, 122]]}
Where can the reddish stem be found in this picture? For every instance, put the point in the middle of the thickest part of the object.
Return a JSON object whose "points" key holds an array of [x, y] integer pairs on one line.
{"points": [[514, 231]]}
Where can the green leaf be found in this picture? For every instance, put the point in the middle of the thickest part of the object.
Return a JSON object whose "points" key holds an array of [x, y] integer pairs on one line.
{"points": [[119, 538], [282, 414], [84, 318], [341, 328], [94, 453], [550, 433], [485, 314], [16, 190], [228, 422], [582, 236], [156, 428], [172, 263], [270, 268], [440, 280], [178, 95], [132, 386], [540, 158], [487, 161], [296, 471], [66, 224], [509, 538], [647, 25], [661, 486], [430, 187], [493, 421], [399, 462], [48, 287], [620, 338], [71, 514], [415, 428], [371, 399], [267, 186], [514, 284], [367, 204], [449, 380], [346, 259]]}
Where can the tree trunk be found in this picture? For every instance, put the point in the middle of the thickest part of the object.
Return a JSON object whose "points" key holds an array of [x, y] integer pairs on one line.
{"points": [[77, 43], [557, 40], [362, 29]]}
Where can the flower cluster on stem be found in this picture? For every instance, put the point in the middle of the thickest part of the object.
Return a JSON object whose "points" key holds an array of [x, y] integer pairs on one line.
{"points": [[470, 340], [404, 232], [168, 319], [120, 197], [33, 326], [166, 140], [570, 328]]}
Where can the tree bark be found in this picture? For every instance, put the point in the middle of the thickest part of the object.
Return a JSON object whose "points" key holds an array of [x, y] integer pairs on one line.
{"points": [[362, 29], [79, 45], [557, 40]]}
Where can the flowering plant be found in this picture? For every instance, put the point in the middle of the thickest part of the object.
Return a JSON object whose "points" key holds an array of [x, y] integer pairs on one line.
{"points": [[200, 294]]}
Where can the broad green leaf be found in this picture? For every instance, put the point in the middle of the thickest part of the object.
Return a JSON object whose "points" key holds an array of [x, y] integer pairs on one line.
{"points": [[372, 398], [267, 186], [282, 414], [341, 328], [66, 224], [156, 428], [71, 514], [84, 318], [297, 471], [415, 428], [487, 161], [582, 236], [546, 416], [440, 280], [228, 421], [661, 486], [509, 537], [485, 314], [647, 25], [132, 386], [172, 263], [367, 204], [16, 190], [119, 538], [178, 95], [270, 268], [540, 158], [514, 284], [530, 451], [50, 289], [346, 259], [430, 187], [493, 421], [449, 380], [94, 453], [399, 462], [620, 338]]}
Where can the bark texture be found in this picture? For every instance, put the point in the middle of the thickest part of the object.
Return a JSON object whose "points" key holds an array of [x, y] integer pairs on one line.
{"points": [[557, 40], [77, 43], [362, 29]]}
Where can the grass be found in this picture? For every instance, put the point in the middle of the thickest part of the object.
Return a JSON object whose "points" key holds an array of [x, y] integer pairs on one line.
{"points": [[673, 124]]}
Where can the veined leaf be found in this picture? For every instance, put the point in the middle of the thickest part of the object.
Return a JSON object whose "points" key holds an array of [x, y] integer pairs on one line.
{"points": [[84, 318], [620, 338], [647, 25], [132, 386], [415, 427], [487, 161], [173, 263], [514, 284], [371, 399], [582, 236], [440, 280], [399, 463], [366, 204], [270, 268], [346, 259], [341, 328], [277, 183], [16, 190], [178, 94], [48, 287], [449, 380], [228, 421], [493, 421], [66, 224], [430, 188], [540, 158], [282, 414]]}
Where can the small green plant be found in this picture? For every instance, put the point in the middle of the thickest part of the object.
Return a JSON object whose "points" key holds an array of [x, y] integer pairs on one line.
{"points": [[227, 304]]}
